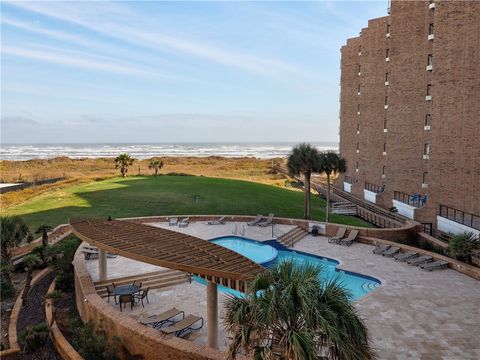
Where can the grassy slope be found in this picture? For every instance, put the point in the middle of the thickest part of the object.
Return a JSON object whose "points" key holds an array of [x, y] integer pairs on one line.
{"points": [[163, 195]]}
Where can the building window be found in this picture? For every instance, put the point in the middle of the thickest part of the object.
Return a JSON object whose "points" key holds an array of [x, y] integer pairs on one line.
{"points": [[384, 170], [356, 169], [358, 128], [428, 120], [386, 101], [429, 90], [387, 53], [358, 109], [358, 147], [359, 48], [359, 69], [384, 147], [387, 77], [384, 124], [358, 89], [426, 149], [388, 30], [430, 29], [424, 177], [430, 60]]}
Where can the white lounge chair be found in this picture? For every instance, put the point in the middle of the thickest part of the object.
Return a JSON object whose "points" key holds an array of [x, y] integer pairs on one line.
{"points": [[220, 221], [266, 222], [391, 252], [172, 221], [435, 265], [255, 221], [350, 239], [405, 256], [419, 260], [184, 222], [380, 249]]}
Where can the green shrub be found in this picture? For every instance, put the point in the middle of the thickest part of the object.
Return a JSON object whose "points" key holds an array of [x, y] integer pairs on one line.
{"points": [[463, 245], [93, 345], [61, 256], [54, 295], [34, 337], [3, 346], [7, 289]]}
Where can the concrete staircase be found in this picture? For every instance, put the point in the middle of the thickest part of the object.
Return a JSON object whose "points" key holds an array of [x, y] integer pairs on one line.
{"points": [[153, 280], [290, 238], [344, 208]]}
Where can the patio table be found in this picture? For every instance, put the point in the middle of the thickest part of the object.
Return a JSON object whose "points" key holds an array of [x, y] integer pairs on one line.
{"points": [[125, 290]]}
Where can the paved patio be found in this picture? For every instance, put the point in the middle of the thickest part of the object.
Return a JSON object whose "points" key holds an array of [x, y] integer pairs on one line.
{"points": [[414, 314]]}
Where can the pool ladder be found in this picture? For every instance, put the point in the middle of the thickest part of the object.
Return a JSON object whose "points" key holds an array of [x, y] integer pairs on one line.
{"points": [[241, 231]]}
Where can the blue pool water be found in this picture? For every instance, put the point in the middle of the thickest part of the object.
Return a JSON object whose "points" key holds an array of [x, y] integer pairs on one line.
{"points": [[358, 285]]}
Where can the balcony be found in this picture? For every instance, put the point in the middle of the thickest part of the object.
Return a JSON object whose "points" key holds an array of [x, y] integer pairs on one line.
{"points": [[358, 132], [387, 35], [431, 6], [385, 130], [454, 221], [429, 67], [371, 191], [358, 151], [359, 53], [424, 186], [358, 92], [407, 204], [359, 73], [431, 36], [387, 59], [426, 156], [387, 83], [347, 187], [426, 127], [385, 107], [384, 153], [428, 98]]}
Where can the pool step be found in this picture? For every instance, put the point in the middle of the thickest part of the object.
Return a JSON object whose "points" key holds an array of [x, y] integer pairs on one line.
{"points": [[153, 280], [368, 286], [292, 237]]}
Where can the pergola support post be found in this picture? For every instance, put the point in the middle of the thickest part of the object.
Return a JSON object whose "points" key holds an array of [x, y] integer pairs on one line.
{"points": [[212, 314], [102, 265]]}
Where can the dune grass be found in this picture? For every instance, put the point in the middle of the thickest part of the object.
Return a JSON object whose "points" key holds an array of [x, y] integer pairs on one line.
{"points": [[165, 195]]}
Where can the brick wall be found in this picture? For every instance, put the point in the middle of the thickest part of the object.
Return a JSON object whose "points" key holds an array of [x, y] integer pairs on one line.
{"points": [[453, 168]]}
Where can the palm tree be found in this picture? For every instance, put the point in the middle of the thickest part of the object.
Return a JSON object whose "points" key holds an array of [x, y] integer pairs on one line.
{"points": [[13, 232], [290, 313], [155, 164], [30, 261], [331, 163], [123, 161], [44, 229], [304, 159]]}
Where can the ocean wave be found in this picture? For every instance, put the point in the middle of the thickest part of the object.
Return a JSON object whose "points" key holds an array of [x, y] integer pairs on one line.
{"points": [[145, 151]]}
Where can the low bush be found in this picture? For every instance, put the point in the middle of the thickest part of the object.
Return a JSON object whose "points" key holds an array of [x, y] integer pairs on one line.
{"points": [[54, 295], [93, 344], [7, 289], [61, 257], [34, 337], [462, 246]]}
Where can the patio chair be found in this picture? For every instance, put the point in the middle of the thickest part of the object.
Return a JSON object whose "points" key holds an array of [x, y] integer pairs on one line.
{"points": [[126, 299], [419, 260], [340, 235], [266, 222], [391, 252], [184, 326], [172, 221], [142, 294], [158, 320], [435, 265], [220, 221], [255, 222], [184, 222], [111, 292], [379, 249], [405, 256], [350, 239]]}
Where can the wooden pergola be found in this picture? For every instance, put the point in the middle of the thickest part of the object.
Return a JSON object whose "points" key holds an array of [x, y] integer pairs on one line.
{"points": [[173, 250]]}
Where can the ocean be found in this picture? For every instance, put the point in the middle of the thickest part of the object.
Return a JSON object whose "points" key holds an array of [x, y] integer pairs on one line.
{"points": [[145, 151]]}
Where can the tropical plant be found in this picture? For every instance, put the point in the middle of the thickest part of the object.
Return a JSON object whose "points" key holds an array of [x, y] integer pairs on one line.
{"points": [[34, 337], [30, 261], [463, 245], [156, 165], [331, 163], [304, 159], [60, 257], [44, 230], [290, 313], [123, 161], [13, 232], [93, 344]]}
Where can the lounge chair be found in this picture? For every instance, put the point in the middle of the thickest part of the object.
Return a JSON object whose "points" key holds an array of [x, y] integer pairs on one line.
{"points": [[142, 294], [89, 252], [391, 252], [172, 221], [350, 239], [419, 260], [340, 235], [255, 222], [435, 265], [161, 319], [405, 256], [184, 326], [266, 222], [184, 222], [220, 221], [380, 249]]}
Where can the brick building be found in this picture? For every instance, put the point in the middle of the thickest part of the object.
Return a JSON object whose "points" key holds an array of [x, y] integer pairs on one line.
{"points": [[410, 113]]}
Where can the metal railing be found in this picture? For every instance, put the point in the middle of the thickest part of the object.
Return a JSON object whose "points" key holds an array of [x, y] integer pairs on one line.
{"points": [[348, 179], [415, 200], [287, 239], [460, 216], [374, 188]]}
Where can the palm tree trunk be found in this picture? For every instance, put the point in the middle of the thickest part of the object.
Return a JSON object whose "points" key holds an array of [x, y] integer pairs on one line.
{"points": [[306, 211], [28, 284], [156, 171], [44, 245], [124, 171], [328, 198], [7, 260]]}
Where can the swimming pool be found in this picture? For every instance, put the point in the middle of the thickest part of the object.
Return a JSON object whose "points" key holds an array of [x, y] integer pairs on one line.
{"points": [[357, 284]]}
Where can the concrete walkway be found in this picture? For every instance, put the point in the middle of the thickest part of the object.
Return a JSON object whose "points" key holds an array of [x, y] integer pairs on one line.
{"points": [[415, 314]]}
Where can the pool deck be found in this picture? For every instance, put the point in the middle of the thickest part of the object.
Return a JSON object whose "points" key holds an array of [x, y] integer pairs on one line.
{"points": [[415, 314]]}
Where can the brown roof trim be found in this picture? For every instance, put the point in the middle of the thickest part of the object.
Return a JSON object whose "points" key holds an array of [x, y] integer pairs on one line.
{"points": [[166, 248]]}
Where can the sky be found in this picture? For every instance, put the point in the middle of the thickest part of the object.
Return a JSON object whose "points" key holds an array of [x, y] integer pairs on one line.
{"points": [[158, 71]]}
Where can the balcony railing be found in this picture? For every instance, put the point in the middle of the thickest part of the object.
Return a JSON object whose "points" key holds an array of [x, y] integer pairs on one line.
{"points": [[460, 217], [374, 188], [348, 179], [415, 200]]}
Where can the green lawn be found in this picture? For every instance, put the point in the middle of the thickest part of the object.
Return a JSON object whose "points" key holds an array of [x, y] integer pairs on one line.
{"points": [[164, 195]]}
